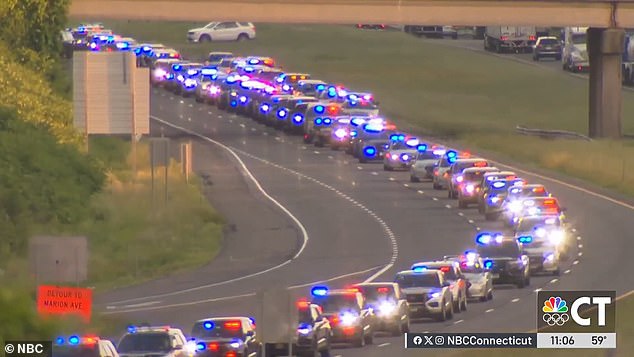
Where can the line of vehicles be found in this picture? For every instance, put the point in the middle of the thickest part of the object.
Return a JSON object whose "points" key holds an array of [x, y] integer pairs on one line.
{"points": [[535, 240]]}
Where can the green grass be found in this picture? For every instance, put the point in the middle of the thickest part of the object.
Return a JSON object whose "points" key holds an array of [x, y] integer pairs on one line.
{"points": [[453, 94]]}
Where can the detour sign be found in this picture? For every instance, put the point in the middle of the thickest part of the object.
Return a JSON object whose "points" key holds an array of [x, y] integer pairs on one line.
{"points": [[62, 300]]}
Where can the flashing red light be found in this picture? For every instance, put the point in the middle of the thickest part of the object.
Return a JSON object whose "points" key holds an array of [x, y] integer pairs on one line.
{"points": [[531, 38], [334, 320], [303, 304], [549, 202], [233, 325], [466, 154], [213, 346], [511, 177], [445, 269], [293, 78], [480, 164], [89, 340], [332, 109], [231, 354], [504, 38], [539, 190], [383, 290], [349, 330], [269, 62]]}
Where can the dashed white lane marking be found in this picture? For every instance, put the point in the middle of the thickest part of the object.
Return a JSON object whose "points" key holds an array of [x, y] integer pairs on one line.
{"points": [[359, 168], [448, 206], [143, 304], [315, 151], [248, 173], [171, 98], [580, 253], [554, 281], [384, 345], [435, 198], [182, 101], [242, 125], [489, 310], [386, 228], [421, 192], [477, 228], [254, 129], [574, 230], [515, 300], [189, 118], [578, 237], [580, 246], [330, 157], [210, 113], [374, 173], [180, 116], [219, 116], [265, 133], [471, 221], [190, 105], [460, 214], [457, 322], [567, 271], [392, 179], [230, 121], [575, 262]]}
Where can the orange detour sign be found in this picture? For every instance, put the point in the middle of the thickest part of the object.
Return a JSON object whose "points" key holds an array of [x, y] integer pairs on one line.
{"points": [[61, 300]]}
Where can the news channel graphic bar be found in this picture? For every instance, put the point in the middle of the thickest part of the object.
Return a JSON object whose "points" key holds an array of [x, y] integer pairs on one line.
{"points": [[470, 340], [28, 348], [576, 340]]}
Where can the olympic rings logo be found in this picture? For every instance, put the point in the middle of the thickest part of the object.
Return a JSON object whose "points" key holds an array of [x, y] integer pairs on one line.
{"points": [[553, 319]]}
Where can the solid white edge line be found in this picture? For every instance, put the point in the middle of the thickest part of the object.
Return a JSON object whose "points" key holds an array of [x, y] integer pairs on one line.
{"points": [[299, 286], [259, 187]]}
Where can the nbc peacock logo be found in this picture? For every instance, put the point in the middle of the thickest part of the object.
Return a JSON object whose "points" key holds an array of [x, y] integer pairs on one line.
{"points": [[555, 311]]}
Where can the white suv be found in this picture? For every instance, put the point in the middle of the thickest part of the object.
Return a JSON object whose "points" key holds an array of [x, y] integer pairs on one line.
{"points": [[222, 31]]}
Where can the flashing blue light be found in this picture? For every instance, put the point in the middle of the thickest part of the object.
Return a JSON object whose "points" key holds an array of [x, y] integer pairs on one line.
{"points": [[419, 269], [177, 67], [369, 151], [452, 160], [393, 137], [200, 346], [208, 71], [298, 118], [488, 264], [516, 190], [319, 291], [327, 121], [131, 329], [499, 184], [357, 121], [73, 340], [412, 142], [123, 45], [318, 121], [208, 325], [234, 103], [281, 113], [264, 108], [525, 239], [353, 133], [451, 154], [401, 137], [254, 61], [249, 69], [59, 341], [146, 49], [405, 157], [243, 99], [484, 238], [319, 109], [421, 148], [252, 320], [320, 87], [286, 87]]}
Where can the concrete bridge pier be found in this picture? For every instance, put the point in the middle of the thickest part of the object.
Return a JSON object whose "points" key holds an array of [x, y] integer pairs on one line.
{"points": [[605, 47]]}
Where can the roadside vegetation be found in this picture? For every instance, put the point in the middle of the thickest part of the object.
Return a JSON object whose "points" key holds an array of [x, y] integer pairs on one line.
{"points": [[51, 185], [456, 95]]}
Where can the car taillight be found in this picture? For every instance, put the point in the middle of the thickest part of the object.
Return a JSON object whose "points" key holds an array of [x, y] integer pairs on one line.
{"points": [[504, 38], [531, 38]]}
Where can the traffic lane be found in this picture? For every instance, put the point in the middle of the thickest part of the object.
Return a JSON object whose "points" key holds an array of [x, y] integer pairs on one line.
{"points": [[249, 245], [401, 206]]}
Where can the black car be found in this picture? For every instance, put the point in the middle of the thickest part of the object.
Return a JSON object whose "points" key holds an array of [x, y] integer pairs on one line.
{"points": [[505, 258], [547, 47], [221, 335]]}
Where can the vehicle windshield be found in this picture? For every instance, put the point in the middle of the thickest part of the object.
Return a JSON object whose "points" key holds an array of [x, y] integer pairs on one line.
{"points": [[460, 166], [150, 342], [418, 280], [548, 41], [217, 57], [579, 38], [376, 293], [304, 316], [527, 224], [400, 145], [427, 155], [76, 351], [473, 176], [471, 270], [503, 250], [218, 331], [211, 25], [336, 303]]}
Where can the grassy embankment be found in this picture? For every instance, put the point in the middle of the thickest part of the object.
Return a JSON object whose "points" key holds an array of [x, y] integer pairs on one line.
{"points": [[460, 96]]}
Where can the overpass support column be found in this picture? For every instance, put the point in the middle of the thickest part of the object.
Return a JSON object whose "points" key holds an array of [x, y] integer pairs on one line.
{"points": [[605, 47]]}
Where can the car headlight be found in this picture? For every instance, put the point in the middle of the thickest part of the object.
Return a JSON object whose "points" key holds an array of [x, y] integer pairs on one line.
{"points": [[515, 206], [191, 347], [469, 188], [387, 308], [557, 237], [434, 295], [348, 319], [304, 330], [235, 344], [394, 156]]}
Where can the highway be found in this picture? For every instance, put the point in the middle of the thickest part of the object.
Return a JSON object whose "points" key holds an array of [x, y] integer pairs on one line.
{"points": [[299, 215]]}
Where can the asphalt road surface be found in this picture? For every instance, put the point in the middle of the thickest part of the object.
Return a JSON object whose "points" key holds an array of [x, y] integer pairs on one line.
{"points": [[299, 215]]}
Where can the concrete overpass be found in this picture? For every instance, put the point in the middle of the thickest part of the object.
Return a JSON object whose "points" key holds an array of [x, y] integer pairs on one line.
{"points": [[606, 17]]}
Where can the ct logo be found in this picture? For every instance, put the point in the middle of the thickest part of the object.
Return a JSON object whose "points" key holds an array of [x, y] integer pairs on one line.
{"points": [[555, 310]]}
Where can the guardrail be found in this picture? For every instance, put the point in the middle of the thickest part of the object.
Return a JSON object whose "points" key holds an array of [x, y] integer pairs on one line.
{"points": [[551, 134]]}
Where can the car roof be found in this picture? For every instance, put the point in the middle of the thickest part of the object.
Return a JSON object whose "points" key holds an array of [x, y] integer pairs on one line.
{"points": [[224, 318], [478, 169], [426, 272], [220, 53], [387, 283], [436, 263]]}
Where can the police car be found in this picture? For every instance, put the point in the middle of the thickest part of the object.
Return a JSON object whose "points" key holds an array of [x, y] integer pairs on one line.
{"points": [[532, 206], [401, 152], [423, 166], [454, 174], [493, 196], [441, 176], [340, 133], [154, 340], [318, 115], [452, 274], [287, 81], [352, 321], [368, 108], [160, 70], [208, 77], [544, 234], [188, 79], [334, 93], [227, 98], [505, 258], [486, 179], [287, 117], [260, 61], [226, 336], [467, 182], [83, 346], [513, 205], [314, 333], [480, 280], [427, 293], [390, 307], [310, 87]]}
